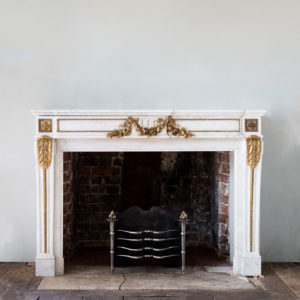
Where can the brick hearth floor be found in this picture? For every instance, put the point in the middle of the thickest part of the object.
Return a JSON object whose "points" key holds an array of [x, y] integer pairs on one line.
{"points": [[280, 281]]}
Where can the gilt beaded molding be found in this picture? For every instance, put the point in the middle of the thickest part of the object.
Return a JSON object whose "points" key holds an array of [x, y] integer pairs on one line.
{"points": [[44, 150], [253, 157]]}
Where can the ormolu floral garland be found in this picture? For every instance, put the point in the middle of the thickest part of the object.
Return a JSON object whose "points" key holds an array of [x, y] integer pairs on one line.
{"points": [[167, 122]]}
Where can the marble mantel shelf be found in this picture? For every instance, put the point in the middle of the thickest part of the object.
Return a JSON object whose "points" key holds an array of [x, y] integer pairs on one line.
{"points": [[237, 131], [135, 112]]}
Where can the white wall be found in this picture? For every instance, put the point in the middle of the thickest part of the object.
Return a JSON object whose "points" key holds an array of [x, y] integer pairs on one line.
{"points": [[234, 54]]}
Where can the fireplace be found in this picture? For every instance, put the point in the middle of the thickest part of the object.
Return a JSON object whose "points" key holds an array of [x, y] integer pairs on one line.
{"points": [[207, 163], [95, 183]]}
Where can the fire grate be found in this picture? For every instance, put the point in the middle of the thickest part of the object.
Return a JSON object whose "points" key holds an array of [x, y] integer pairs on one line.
{"points": [[156, 233]]}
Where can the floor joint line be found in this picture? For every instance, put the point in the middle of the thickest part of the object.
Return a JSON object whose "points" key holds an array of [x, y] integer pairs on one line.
{"points": [[124, 279]]}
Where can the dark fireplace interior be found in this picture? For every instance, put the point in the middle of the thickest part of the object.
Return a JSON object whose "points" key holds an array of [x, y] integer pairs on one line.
{"points": [[95, 183]]}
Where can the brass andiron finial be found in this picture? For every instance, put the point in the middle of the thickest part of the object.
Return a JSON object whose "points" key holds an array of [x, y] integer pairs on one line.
{"points": [[253, 157], [112, 216], [183, 216]]}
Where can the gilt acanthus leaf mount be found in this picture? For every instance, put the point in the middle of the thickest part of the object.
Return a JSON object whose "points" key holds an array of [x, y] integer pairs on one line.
{"points": [[44, 148]]}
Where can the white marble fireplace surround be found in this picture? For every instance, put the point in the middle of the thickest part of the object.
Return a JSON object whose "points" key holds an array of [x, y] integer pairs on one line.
{"points": [[86, 130]]}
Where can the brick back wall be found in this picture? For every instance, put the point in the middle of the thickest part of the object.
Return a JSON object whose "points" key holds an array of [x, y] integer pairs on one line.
{"points": [[68, 204], [197, 182], [222, 178], [185, 186], [220, 174], [99, 186]]}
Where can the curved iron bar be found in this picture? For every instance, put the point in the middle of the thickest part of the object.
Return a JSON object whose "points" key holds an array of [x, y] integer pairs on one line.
{"points": [[147, 248], [147, 231], [148, 239], [148, 256]]}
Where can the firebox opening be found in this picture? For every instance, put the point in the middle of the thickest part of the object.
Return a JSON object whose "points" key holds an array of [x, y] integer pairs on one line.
{"points": [[97, 182]]}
